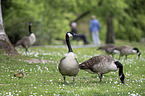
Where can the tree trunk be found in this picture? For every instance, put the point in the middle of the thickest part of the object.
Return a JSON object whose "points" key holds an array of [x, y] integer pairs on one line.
{"points": [[5, 44], [110, 31]]}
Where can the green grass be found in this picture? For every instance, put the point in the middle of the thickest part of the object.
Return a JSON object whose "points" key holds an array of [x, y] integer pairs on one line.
{"points": [[43, 78]]}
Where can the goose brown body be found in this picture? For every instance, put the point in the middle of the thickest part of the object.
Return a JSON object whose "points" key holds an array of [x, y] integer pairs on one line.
{"points": [[109, 49], [127, 50], [27, 41], [99, 64], [102, 64], [68, 65]]}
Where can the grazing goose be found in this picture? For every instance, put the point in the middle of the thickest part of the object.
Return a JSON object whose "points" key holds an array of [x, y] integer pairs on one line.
{"points": [[19, 74], [27, 41], [102, 64], [126, 50], [109, 49], [68, 65]]}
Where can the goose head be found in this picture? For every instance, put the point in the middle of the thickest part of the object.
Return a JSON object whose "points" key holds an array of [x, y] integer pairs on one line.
{"points": [[137, 51], [71, 34], [122, 77], [29, 23], [82, 66], [68, 35]]}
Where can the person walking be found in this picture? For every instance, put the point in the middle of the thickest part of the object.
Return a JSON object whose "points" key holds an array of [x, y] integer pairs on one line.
{"points": [[94, 29]]}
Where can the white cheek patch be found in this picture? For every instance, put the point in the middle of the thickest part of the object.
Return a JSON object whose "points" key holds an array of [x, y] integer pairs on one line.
{"points": [[120, 76], [69, 34], [134, 51]]}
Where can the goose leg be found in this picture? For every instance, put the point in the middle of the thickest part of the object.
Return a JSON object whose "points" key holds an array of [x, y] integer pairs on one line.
{"points": [[100, 76], [74, 79], [26, 50], [125, 56], [27, 53], [64, 79]]}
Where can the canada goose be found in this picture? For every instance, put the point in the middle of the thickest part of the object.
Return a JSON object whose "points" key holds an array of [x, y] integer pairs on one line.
{"points": [[109, 49], [68, 65], [126, 50], [27, 41], [19, 74], [102, 64]]}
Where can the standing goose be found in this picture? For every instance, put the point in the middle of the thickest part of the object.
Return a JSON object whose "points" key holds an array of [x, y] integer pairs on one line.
{"points": [[27, 41], [109, 49], [68, 65], [103, 64], [126, 50]]}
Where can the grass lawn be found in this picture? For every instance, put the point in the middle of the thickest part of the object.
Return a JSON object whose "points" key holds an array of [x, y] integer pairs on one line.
{"points": [[43, 78]]}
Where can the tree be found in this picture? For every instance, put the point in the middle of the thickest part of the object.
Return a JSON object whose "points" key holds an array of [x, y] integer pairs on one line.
{"points": [[5, 44], [112, 9], [110, 38], [120, 19]]}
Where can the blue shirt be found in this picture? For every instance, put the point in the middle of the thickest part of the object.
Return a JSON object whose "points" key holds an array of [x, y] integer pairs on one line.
{"points": [[94, 25]]}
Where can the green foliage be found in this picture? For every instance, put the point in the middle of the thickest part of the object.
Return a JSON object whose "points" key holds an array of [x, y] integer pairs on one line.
{"points": [[51, 18], [43, 77], [16, 22]]}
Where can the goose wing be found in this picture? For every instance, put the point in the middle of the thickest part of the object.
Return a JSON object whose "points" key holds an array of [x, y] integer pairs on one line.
{"points": [[97, 60], [23, 41]]}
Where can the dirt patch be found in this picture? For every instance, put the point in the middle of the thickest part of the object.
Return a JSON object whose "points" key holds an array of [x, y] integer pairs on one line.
{"points": [[33, 60]]}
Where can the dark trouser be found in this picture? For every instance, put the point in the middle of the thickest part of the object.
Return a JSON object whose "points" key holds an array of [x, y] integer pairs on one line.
{"points": [[81, 37]]}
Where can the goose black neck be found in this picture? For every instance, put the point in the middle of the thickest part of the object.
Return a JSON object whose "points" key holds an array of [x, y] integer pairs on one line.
{"points": [[136, 50], [120, 66], [120, 70], [68, 44], [30, 29], [121, 74]]}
